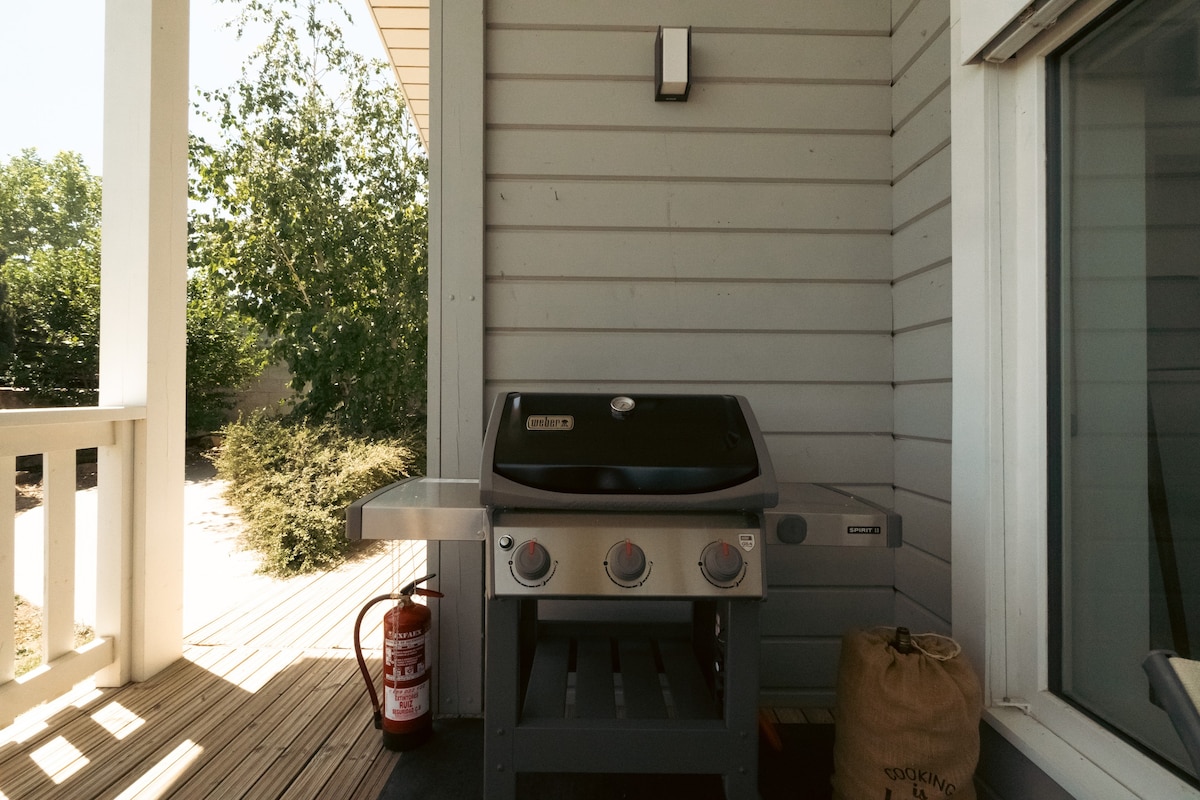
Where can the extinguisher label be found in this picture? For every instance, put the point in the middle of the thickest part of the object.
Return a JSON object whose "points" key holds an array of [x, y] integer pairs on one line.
{"points": [[405, 656], [402, 703]]}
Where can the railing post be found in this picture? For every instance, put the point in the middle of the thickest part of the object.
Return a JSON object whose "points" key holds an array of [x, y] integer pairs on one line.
{"points": [[8, 549], [58, 507], [114, 548]]}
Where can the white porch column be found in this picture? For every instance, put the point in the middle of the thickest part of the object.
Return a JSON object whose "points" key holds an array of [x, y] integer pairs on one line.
{"points": [[142, 327], [456, 402]]}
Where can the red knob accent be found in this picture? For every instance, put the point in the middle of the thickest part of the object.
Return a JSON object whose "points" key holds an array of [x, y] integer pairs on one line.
{"points": [[626, 561], [531, 561], [721, 562]]}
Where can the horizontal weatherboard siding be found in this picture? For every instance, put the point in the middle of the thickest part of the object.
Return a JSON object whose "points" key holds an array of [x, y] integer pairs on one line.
{"points": [[741, 242], [746, 108], [660, 205], [712, 255], [678, 305]]}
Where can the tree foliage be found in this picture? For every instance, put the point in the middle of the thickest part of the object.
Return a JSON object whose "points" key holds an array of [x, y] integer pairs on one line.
{"points": [[224, 353], [313, 213], [50, 264], [50, 277]]}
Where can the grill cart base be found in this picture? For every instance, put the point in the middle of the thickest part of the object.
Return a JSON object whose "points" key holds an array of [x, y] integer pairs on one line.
{"points": [[622, 698]]}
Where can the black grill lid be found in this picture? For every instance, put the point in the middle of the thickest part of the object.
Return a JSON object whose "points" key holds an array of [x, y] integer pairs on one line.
{"points": [[614, 451]]}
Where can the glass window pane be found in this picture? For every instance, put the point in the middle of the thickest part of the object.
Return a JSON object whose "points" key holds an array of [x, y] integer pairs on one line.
{"points": [[1129, 106]]}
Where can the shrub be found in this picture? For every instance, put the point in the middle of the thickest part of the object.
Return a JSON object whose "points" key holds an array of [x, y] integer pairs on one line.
{"points": [[292, 484]]}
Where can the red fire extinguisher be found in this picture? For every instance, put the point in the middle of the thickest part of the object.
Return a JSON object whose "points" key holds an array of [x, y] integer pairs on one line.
{"points": [[407, 715]]}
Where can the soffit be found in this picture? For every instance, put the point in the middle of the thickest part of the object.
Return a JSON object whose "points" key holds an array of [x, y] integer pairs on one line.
{"points": [[403, 27]]}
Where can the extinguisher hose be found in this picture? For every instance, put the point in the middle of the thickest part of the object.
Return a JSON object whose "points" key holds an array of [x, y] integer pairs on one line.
{"points": [[407, 592], [362, 663]]}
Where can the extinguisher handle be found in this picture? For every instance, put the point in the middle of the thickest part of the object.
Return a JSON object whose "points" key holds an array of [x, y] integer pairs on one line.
{"points": [[427, 593], [411, 588]]}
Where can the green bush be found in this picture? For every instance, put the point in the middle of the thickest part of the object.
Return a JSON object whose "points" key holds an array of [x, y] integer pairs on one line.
{"points": [[292, 484]]}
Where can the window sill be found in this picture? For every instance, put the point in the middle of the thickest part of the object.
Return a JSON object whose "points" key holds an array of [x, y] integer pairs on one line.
{"points": [[1075, 765]]}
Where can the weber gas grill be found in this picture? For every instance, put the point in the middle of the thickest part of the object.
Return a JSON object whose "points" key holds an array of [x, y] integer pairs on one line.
{"points": [[625, 572], [626, 541]]}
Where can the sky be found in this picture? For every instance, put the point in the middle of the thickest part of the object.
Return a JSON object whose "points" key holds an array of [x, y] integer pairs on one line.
{"points": [[51, 86]]}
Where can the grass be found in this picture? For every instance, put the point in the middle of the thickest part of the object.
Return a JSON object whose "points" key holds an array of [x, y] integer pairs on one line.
{"points": [[28, 623]]}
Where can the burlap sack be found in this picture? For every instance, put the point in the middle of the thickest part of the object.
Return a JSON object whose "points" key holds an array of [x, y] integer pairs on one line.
{"points": [[907, 725]]}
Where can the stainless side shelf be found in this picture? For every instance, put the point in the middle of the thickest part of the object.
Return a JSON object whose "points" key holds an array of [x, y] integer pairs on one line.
{"points": [[815, 514], [431, 509]]}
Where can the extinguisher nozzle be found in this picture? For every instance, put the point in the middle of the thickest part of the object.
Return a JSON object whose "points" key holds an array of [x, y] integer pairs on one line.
{"points": [[378, 720]]}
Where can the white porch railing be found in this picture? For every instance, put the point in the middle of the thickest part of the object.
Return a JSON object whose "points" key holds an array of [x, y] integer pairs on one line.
{"points": [[57, 434]]}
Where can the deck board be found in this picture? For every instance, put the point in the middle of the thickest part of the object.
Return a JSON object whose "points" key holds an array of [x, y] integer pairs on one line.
{"points": [[267, 702]]}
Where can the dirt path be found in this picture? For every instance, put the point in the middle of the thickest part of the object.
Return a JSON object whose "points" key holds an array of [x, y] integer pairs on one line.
{"points": [[217, 573]]}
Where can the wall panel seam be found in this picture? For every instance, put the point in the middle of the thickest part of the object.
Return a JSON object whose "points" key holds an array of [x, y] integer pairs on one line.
{"points": [[510, 278], [938, 206], [867, 332], [921, 161], [911, 115], [934, 323], [938, 500], [904, 15], [902, 437], [924, 48], [696, 29], [707, 382], [900, 487], [924, 552], [688, 229], [922, 382], [580, 178], [696, 80], [566, 128], [922, 270]]}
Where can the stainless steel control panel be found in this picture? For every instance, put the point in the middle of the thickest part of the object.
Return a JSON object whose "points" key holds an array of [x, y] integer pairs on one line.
{"points": [[563, 554]]}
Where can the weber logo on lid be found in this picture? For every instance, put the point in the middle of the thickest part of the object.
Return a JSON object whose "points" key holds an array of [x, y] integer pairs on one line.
{"points": [[549, 422]]}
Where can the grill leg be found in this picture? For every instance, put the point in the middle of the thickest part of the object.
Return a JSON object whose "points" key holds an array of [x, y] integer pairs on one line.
{"points": [[741, 698], [501, 696]]}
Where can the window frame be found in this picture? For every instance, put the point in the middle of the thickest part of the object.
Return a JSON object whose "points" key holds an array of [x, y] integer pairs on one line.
{"points": [[1000, 498]]}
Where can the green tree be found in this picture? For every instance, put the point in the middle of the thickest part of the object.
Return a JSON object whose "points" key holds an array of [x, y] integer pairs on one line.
{"points": [[313, 213], [50, 264], [50, 285], [8, 326], [224, 353], [47, 205]]}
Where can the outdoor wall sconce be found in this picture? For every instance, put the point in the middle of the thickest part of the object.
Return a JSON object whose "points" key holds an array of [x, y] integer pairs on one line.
{"points": [[673, 64]]}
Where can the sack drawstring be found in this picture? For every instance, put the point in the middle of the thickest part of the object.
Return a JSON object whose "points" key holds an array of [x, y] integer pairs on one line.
{"points": [[902, 634]]}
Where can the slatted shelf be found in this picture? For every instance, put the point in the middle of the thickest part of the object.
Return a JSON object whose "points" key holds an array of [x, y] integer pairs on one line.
{"points": [[597, 673]]}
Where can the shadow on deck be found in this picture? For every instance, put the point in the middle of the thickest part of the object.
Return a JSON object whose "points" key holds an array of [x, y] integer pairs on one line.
{"points": [[267, 702]]}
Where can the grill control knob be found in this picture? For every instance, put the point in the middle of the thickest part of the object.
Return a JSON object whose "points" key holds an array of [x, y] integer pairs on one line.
{"points": [[721, 562], [531, 561], [626, 561]]}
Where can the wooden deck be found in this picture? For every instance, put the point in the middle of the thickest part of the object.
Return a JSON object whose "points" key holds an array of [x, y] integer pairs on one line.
{"points": [[267, 702]]}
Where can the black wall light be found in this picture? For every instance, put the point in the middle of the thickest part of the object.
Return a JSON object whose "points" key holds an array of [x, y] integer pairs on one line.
{"points": [[673, 64]]}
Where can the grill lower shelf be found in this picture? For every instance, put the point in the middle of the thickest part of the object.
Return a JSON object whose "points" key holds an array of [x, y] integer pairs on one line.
{"points": [[572, 697], [595, 676]]}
